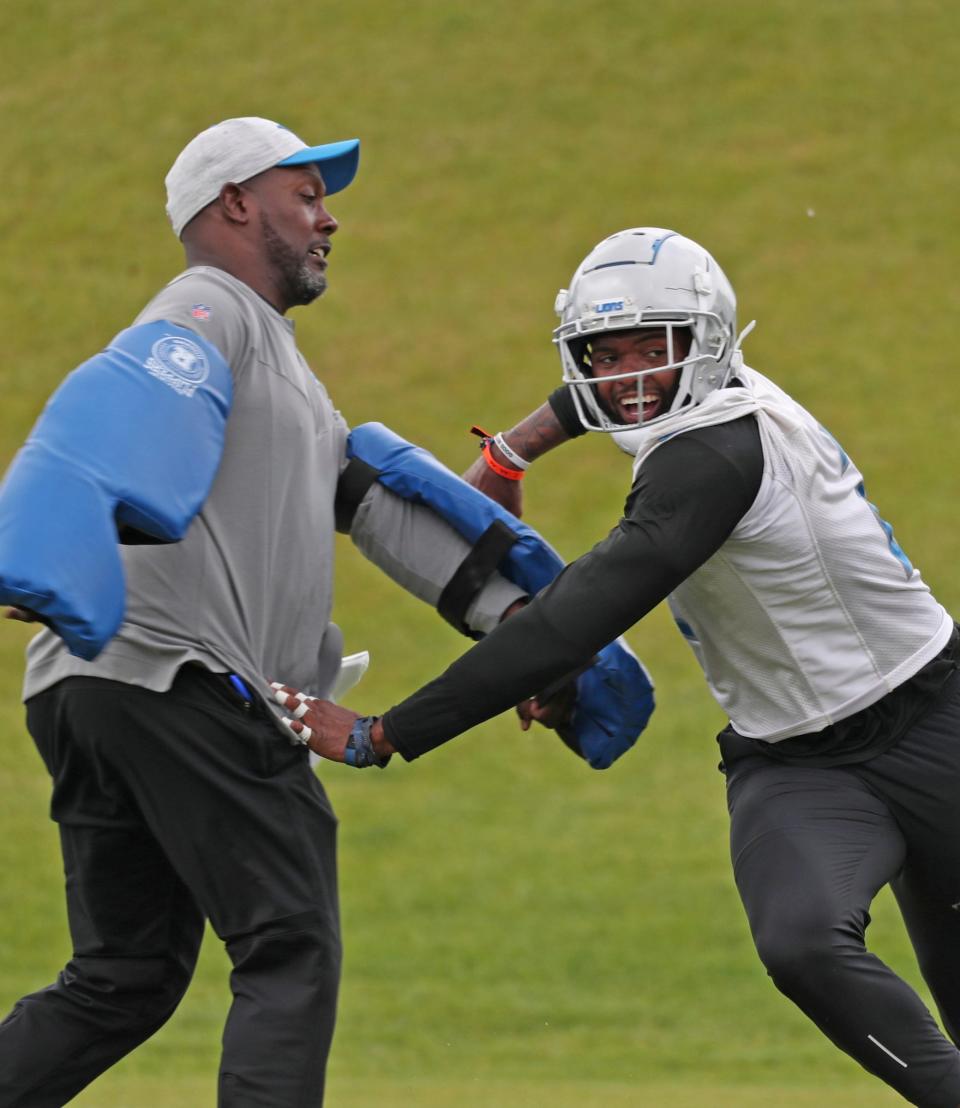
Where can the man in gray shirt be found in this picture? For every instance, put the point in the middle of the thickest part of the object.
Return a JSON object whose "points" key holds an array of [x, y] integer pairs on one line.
{"points": [[179, 794]]}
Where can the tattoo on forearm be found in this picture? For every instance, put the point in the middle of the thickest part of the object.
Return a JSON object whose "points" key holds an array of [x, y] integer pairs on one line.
{"points": [[538, 433]]}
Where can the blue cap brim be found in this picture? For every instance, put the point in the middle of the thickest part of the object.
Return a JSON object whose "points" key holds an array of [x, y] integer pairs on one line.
{"points": [[337, 161]]}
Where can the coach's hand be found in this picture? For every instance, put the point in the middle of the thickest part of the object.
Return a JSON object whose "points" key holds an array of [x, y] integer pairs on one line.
{"points": [[324, 726]]}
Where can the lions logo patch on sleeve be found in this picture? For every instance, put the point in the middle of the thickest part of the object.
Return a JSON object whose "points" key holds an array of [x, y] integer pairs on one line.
{"points": [[111, 451], [178, 362]]}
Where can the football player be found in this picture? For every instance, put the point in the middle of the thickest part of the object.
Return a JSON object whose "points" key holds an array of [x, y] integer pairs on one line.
{"points": [[835, 665]]}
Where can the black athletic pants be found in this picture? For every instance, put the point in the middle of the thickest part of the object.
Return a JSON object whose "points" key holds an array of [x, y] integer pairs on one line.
{"points": [[812, 847], [174, 807]]}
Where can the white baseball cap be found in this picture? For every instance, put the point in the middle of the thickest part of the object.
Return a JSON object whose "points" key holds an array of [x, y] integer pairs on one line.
{"points": [[238, 149]]}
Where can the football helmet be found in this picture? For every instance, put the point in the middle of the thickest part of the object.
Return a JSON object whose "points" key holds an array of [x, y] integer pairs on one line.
{"points": [[648, 277]]}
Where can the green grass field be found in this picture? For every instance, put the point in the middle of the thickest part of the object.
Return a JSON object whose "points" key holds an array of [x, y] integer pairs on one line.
{"points": [[521, 932]]}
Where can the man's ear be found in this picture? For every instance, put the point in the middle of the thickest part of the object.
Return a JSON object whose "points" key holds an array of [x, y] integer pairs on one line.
{"points": [[235, 203]]}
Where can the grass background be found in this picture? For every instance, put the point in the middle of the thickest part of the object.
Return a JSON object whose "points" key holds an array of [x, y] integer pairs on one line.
{"points": [[520, 931]]}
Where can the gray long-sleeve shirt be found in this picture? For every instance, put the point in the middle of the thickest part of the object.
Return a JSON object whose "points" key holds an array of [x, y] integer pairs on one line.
{"points": [[249, 588]]}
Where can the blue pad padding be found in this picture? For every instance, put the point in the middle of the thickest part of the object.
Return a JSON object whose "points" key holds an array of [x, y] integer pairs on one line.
{"points": [[615, 695], [415, 474], [132, 438], [614, 704]]}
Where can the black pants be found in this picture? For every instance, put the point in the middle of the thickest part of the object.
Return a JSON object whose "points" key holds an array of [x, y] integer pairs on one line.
{"points": [[812, 847], [174, 807]]}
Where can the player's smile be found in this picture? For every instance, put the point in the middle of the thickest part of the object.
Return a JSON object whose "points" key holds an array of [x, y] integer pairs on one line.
{"points": [[642, 350]]}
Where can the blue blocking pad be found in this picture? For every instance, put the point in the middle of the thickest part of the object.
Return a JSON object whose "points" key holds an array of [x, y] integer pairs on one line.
{"points": [[614, 704], [131, 439], [615, 695], [58, 551], [415, 474]]}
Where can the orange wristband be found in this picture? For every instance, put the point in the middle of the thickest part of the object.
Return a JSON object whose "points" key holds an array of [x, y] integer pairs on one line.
{"points": [[500, 470]]}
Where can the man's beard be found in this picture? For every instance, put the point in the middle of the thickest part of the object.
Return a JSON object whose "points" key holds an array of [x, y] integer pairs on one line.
{"points": [[299, 283]]}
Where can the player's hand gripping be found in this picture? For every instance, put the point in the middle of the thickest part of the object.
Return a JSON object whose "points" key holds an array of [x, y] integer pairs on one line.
{"points": [[554, 705], [553, 708]]}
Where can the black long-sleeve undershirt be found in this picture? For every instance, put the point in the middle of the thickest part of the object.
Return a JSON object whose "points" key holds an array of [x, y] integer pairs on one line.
{"points": [[689, 495], [561, 401]]}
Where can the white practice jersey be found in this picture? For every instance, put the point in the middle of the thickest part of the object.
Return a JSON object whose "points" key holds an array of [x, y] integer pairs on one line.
{"points": [[810, 611]]}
